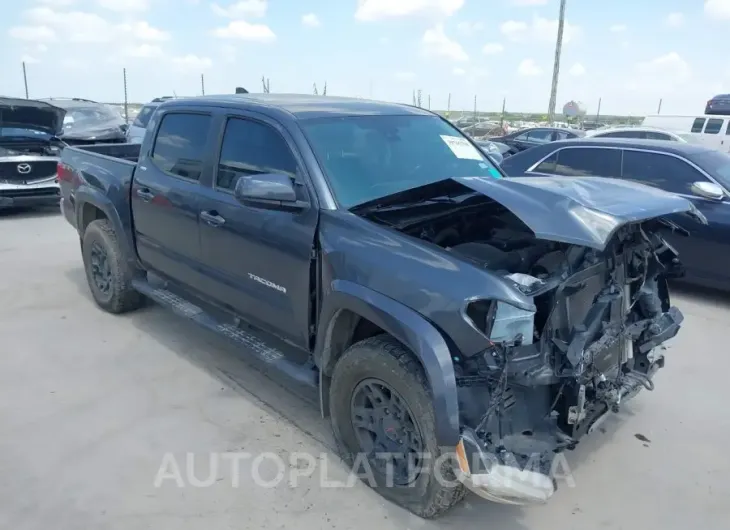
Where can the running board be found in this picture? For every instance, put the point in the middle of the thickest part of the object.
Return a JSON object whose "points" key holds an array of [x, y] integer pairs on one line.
{"points": [[252, 344]]}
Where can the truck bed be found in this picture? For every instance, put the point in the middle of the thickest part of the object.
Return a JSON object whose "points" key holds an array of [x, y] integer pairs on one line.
{"points": [[129, 152]]}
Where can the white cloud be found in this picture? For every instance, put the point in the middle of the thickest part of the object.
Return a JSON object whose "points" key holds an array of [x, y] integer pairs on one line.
{"points": [[370, 10], [79, 26], [492, 48], [42, 48], [242, 30], [618, 28], [33, 33], [718, 8], [469, 28], [57, 3], [529, 68], [405, 76], [29, 59], [436, 44], [530, 2], [674, 20], [311, 20], [666, 66], [539, 29], [192, 63], [143, 51], [141, 30], [459, 71], [577, 70], [244, 8], [123, 6]]}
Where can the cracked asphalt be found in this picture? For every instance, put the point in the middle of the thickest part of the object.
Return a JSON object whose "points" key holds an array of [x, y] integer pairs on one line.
{"points": [[98, 413]]}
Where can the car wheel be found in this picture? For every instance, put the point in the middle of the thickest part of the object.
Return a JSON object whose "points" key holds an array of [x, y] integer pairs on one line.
{"points": [[107, 272], [383, 421]]}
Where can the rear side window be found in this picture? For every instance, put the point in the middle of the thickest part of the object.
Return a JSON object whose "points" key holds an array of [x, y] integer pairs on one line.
{"points": [[621, 134], [180, 144], [541, 136], [713, 126], [251, 148], [698, 125], [651, 135], [143, 118], [661, 171], [589, 162]]}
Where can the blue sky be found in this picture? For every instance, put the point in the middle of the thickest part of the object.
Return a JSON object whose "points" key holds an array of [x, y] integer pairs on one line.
{"points": [[629, 53]]}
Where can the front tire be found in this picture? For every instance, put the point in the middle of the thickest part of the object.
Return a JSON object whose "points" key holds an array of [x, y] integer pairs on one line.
{"points": [[107, 271], [398, 419]]}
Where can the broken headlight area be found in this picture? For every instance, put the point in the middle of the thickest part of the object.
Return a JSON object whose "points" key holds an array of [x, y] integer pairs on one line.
{"points": [[549, 376]]}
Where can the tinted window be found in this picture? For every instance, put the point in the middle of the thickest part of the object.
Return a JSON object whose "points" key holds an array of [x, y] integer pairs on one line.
{"points": [[713, 126], [180, 144], [698, 124], [251, 148], [651, 135], [661, 171], [143, 118], [589, 162], [563, 135], [716, 163], [547, 165], [369, 157], [542, 136], [621, 134]]}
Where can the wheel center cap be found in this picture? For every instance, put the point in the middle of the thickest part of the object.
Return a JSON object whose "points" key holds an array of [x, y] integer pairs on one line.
{"points": [[390, 427]]}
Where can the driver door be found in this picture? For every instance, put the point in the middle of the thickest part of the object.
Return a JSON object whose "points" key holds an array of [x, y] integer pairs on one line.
{"points": [[706, 251]]}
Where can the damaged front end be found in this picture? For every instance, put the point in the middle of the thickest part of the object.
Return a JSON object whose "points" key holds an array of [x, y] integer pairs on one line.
{"points": [[551, 375]]}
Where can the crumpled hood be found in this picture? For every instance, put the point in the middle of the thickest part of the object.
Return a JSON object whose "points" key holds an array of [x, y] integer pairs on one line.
{"points": [[31, 114], [583, 211]]}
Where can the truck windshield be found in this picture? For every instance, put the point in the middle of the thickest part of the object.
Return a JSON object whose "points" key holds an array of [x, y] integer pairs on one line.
{"points": [[369, 157]]}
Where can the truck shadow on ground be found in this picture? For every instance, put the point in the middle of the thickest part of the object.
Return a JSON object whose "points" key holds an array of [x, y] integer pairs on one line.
{"points": [[252, 380]]}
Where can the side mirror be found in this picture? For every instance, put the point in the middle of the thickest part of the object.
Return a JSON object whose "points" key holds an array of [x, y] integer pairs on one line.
{"points": [[124, 127], [708, 190], [272, 190]]}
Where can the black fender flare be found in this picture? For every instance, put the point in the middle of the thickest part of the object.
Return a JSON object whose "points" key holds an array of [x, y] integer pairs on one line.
{"points": [[88, 195], [407, 326]]}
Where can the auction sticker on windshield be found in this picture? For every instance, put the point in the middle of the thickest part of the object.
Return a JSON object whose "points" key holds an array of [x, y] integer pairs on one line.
{"points": [[461, 148]]}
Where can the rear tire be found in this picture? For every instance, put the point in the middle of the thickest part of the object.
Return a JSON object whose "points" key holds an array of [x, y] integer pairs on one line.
{"points": [[385, 363], [107, 271]]}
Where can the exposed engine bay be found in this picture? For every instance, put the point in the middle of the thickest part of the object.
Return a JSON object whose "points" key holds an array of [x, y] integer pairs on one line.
{"points": [[18, 148], [550, 375]]}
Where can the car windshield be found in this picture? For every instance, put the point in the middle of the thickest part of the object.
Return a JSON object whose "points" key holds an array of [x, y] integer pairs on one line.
{"points": [[716, 163], [370, 157], [143, 118]]}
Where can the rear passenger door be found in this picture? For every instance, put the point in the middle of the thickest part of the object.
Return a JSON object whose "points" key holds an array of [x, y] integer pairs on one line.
{"points": [[707, 251], [165, 192], [258, 261]]}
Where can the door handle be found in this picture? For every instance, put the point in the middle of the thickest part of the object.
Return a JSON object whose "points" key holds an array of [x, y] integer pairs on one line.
{"points": [[212, 218], [145, 194]]}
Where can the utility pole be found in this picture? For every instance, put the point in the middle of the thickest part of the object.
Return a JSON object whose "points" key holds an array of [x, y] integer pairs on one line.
{"points": [[202, 83], [504, 106], [429, 102], [418, 98], [448, 106], [475, 108], [126, 103], [556, 64], [659, 110], [598, 113], [25, 81]]}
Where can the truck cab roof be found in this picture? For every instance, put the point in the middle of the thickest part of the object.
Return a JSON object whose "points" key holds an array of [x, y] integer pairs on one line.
{"points": [[302, 106]]}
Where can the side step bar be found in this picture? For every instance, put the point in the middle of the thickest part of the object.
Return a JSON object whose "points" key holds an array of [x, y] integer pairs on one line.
{"points": [[253, 345]]}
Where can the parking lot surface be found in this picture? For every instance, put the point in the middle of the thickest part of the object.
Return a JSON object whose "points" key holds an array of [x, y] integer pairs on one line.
{"points": [[98, 413]]}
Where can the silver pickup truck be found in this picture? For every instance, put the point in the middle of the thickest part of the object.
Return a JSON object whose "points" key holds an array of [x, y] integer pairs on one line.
{"points": [[29, 152]]}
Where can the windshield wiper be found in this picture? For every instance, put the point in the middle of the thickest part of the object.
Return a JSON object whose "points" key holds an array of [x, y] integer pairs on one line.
{"points": [[409, 204]]}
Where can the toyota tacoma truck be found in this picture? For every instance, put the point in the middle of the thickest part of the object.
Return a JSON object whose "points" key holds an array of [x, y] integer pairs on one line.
{"points": [[459, 328], [29, 152]]}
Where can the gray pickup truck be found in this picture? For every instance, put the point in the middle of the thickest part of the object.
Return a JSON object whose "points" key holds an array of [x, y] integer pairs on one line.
{"points": [[456, 326]]}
